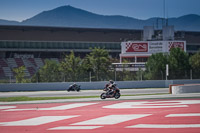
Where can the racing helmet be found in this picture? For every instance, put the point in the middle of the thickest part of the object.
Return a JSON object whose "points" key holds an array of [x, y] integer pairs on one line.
{"points": [[111, 81]]}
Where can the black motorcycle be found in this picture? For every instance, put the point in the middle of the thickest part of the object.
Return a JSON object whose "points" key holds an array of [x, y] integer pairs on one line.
{"points": [[111, 93], [74, 88]]}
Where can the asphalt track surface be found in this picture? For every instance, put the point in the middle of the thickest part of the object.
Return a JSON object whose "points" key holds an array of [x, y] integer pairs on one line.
{"points": [[104, 116], [139, 114], [82, 93]]}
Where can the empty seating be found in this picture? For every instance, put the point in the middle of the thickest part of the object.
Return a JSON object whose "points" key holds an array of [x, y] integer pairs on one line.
{"points": [[32, 65], [27, 74], [31, 70], [32, 60], [8, 72], [19, 62], [11, 62], [28, 63], [39, 62], [2, 74], [3, 62]]}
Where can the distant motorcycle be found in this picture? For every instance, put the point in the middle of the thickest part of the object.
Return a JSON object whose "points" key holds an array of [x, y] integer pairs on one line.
{"points": [[74, 88], [111, 94]]}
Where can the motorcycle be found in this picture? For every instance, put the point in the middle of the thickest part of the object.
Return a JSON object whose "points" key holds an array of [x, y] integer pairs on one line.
{"points": [[110, 94], [74, 88]]}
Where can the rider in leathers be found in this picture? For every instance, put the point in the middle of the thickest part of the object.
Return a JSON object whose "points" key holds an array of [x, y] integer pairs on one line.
{"points": [[111, 88], [73, 86]]}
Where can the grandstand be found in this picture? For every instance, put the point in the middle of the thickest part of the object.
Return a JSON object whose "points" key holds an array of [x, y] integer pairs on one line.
{"points": [[29, 46]]}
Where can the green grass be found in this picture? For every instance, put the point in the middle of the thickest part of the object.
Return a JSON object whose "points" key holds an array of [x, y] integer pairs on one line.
{"points": [[23, 98]]}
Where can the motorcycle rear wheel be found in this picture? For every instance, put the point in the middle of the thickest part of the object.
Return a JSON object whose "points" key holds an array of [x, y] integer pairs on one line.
{"points": [[102, 96]]}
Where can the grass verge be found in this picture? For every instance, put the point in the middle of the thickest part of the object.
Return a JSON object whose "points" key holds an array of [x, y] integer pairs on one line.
{"points": [[23, 98]]}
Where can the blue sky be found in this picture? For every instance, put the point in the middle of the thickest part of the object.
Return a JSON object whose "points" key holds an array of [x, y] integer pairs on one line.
{"points": [[142, 9]]}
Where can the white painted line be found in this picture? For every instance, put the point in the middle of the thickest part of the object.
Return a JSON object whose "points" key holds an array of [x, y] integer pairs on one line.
{"points": [[154, 104], [183, 115], [62, 107], [146, 104], [165, 126], [69, 106], [111, 119], [74, 127], [37, 121], [148, 107], [7, 107], [20, 109]]}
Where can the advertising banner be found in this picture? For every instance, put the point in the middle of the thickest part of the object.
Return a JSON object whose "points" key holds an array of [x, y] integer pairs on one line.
{"points": [[156, 47], [137, 47], [176, 45], [150, 47]]}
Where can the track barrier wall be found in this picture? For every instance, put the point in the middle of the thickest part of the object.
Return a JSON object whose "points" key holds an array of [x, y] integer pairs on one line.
{"points": [[92, 85], [187, 88]]}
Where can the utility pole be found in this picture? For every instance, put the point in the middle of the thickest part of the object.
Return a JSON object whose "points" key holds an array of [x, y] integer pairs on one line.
{"points": [[191, 74], [90, 76], [167, 70]]}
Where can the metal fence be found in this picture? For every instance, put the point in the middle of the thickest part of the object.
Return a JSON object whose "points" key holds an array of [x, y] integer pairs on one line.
{"points": [[114, 75]]}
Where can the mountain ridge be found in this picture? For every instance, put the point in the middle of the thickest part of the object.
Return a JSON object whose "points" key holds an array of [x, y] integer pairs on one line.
{"points": [[68, 16]]}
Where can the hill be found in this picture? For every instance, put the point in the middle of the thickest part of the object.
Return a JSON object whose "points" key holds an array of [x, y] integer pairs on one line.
{"points": [[68, 16]]}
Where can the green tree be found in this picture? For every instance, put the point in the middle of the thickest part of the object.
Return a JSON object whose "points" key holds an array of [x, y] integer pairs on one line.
{"points": [[139, 74], [178, 64], [100, 63], [20, 74], [195, 64], [125, 74], [156, 66], [88, 68], [72, 67], [50, 72]]}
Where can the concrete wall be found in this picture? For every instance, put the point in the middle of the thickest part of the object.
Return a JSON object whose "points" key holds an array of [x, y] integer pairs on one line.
{"points": [[186, 89], [93, 85]]}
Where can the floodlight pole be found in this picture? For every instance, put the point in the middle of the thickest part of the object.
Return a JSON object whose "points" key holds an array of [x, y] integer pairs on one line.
{"points": [[90, 76], [167, 70], [115, 74]]}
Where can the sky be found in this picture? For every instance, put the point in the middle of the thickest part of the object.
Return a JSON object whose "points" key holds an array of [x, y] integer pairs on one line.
{"points": [[20, 10]]}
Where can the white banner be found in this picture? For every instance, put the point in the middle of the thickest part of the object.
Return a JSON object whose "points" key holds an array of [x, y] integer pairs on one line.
{"points": [[150, 47], [156, 47]]}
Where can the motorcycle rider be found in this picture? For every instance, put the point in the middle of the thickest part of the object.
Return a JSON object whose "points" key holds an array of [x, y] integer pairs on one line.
{"points": [[111, 88], [110, 83], [73, 86]]}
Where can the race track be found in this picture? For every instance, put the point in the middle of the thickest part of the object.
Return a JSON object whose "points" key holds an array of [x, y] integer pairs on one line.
{"points": [[82, 93], [118, 116]]}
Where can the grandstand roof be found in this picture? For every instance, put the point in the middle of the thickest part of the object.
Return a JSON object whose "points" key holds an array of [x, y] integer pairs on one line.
{"points": [[38, 33], [41, 38]]}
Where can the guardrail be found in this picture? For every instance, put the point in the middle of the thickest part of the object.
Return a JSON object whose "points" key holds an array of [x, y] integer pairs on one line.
{"points": [[92, 85], [188, 88]]}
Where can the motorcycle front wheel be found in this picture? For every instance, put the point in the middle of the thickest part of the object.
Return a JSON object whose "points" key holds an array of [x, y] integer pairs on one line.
{"points": [[117, 95], [78, 90], [103, 96]]}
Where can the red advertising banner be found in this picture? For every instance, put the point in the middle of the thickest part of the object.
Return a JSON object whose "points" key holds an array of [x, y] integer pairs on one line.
{"points": [[176, 45], [137, 47]]}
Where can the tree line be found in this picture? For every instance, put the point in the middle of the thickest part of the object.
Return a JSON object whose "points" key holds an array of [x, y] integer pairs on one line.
{"points": [[96, 66], [72, 69]]}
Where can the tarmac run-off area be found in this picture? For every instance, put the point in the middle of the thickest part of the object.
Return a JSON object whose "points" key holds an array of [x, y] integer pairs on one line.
{"points": [[138, 116]]}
